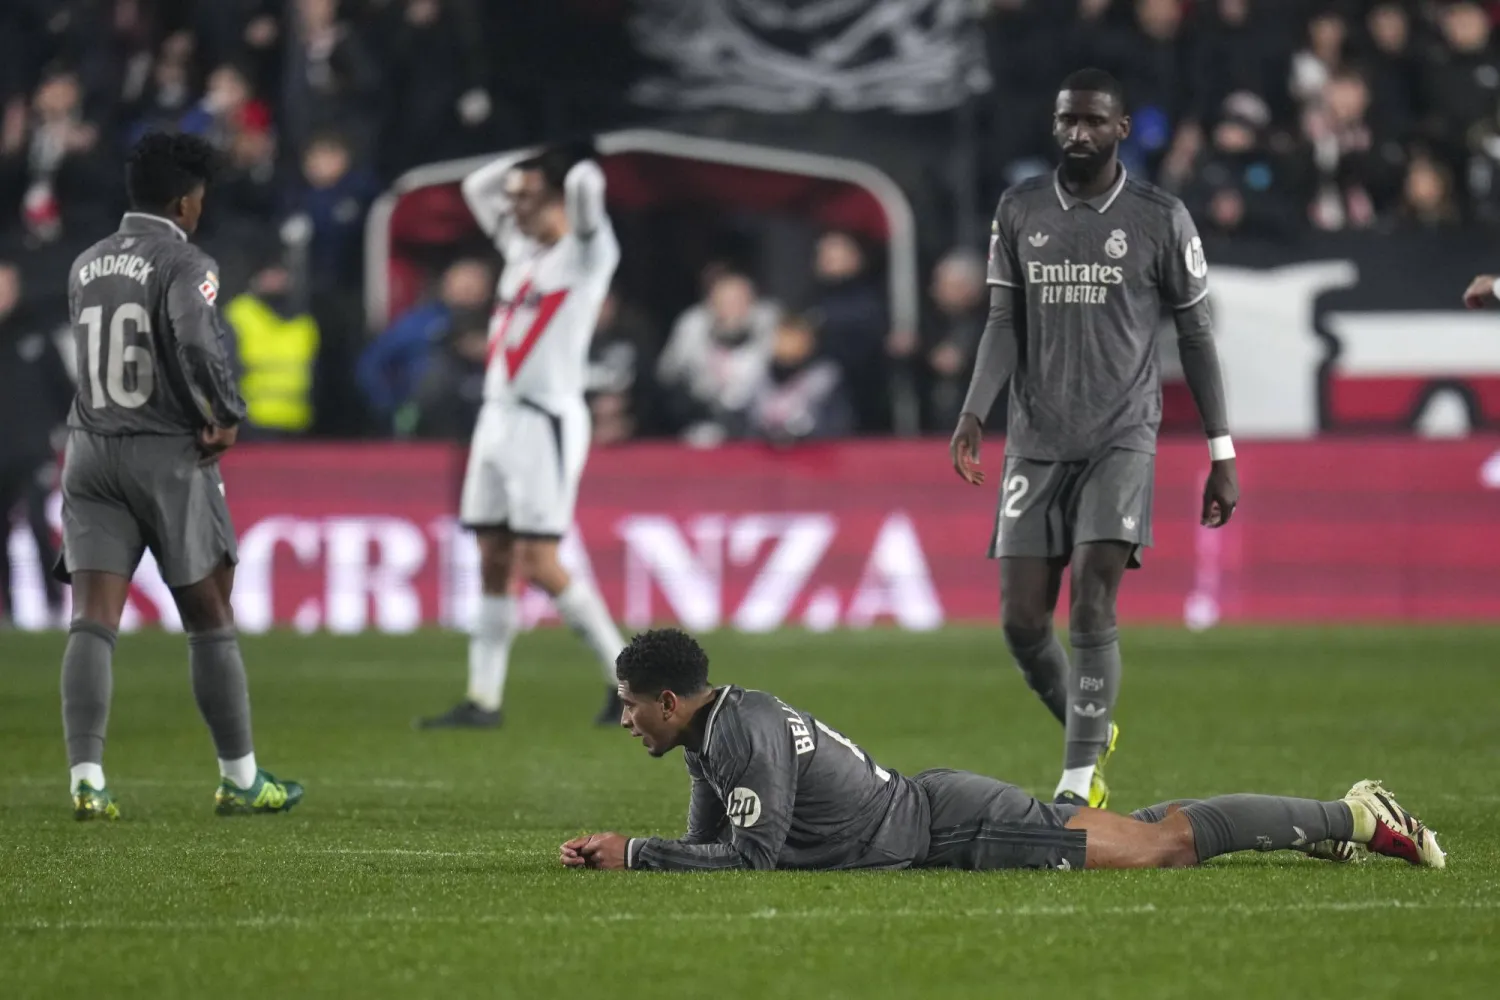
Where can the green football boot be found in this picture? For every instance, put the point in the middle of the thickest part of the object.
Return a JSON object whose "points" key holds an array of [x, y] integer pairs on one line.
{"points": [[93, 803], [1098, 787], [266, 795]]}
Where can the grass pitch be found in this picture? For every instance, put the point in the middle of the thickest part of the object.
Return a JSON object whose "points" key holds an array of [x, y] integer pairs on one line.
{"points": [[426, 864]]}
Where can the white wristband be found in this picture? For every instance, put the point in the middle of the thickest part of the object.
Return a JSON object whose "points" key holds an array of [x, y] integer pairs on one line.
{"points": [[1220, 448]]}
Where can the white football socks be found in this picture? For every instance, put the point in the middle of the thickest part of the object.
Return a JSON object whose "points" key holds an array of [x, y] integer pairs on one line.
{"points": [[489, 649], [1076, 780], [92, 773], [587, 615], [241, 771]]}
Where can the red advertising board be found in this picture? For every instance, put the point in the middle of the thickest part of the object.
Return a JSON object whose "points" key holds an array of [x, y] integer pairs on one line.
{"points": [[350, 538]]}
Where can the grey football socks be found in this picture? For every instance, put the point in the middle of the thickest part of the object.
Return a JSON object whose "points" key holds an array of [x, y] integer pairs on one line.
{"points": [[1044, 663], [1160, 811], [1092, 689], [221, 691], [1228, 823], [87, 684]]}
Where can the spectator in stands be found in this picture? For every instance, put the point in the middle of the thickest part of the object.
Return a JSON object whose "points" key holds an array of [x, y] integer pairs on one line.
{"points": [[438, 103], [714, 360], [332, 80], [1392, 67], [801, 395], [167, 93], [1427, 196], [393, 365], [960, 302], [1323, 54], [1239, 185], [1236, 51], [445, 405], [276, 343], [619, 389], [247, 193], [246, 31], [334, 194], [35, 393], [228, 108], [1461, 76], [51, 167], [1356, 170], [854, 325]]}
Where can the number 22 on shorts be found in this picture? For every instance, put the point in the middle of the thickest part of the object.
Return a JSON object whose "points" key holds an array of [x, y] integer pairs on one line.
{"points": [[1015, 489]]}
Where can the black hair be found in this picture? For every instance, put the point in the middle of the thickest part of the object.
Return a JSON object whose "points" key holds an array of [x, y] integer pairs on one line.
{"points": [[554, 162], [1096, 81], [164, 167], [663, 659]]}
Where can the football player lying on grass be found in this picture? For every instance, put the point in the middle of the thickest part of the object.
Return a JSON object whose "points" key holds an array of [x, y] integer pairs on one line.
{"points": [[773, 787]]}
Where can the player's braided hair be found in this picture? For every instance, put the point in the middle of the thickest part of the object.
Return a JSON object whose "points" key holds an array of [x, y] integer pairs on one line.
{"points": [[165, 166], [663, 659]]}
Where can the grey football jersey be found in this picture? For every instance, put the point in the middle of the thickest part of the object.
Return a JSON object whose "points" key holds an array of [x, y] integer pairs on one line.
{"points": [[151, 353], [1093, 279], [775, 788]]}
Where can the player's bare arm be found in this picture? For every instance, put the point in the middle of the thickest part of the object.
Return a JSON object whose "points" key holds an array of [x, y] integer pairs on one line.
{"points": [[1481, 293]]}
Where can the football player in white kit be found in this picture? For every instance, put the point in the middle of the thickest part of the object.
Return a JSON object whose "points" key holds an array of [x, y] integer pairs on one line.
{"points": [[546, 216]]}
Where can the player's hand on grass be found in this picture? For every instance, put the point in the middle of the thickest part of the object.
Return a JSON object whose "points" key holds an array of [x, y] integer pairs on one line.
{"points": [[964, 449], [569, 851], [1481, 293], [597, 850], [1221, 494], [215, 441]]}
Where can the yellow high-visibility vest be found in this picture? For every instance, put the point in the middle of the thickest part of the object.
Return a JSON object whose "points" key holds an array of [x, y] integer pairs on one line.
{"points": [[277, 357]]}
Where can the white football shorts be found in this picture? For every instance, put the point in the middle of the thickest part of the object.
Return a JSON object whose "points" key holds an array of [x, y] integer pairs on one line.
{"points": [[525, 462]]}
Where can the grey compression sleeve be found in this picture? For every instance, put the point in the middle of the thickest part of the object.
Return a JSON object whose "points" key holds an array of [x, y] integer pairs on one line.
{"points": [[1200, 366], [998, 349]]}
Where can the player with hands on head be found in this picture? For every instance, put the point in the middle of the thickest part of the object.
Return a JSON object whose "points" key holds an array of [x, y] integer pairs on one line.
{"points": [[1083, 262]]}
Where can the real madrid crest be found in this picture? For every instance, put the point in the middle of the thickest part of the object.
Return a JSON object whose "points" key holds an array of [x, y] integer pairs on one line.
{"points": [[1115, 246]]}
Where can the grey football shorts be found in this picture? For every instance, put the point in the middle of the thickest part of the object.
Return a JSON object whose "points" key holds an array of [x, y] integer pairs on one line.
{"points": [[981, 823], [123, 495], [1048, 508]]}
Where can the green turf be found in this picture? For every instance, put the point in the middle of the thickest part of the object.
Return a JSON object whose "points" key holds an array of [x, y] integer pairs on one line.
{"points": [[425, 864]]}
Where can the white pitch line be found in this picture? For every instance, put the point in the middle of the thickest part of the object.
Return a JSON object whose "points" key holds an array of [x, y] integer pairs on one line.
{"points": [[770, 913]]}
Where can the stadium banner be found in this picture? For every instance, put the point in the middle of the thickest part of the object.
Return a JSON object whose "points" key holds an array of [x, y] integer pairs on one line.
{"points": [[359, 538]]}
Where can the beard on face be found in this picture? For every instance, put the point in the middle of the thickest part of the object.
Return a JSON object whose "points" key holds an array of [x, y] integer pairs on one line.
{"points": [[1086, 168]]}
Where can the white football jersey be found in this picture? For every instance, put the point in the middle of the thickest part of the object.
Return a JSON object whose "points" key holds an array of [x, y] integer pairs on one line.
{"points": [[549, 297]]}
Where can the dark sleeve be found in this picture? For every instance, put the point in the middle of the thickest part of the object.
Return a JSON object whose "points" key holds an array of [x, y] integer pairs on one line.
{"points": [[199, 341], [1183, 276], [1003, 267], [995, 360], [707, 821], [758, 767]]}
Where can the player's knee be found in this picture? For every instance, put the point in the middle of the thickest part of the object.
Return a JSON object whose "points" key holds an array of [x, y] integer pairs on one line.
{"points": [[1026, 634], [538, 563], [1092, 608], [496, 562], [1024, 623], [1176, 846], [205, 608]]}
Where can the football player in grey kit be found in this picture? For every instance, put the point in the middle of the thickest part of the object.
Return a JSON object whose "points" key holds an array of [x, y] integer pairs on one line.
{"points": [[1082, 265], [773, 787], [156, 406]]}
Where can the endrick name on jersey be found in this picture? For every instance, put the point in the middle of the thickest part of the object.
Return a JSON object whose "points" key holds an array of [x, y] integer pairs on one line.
{"points": [[127, 264], [1068, 282]]}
